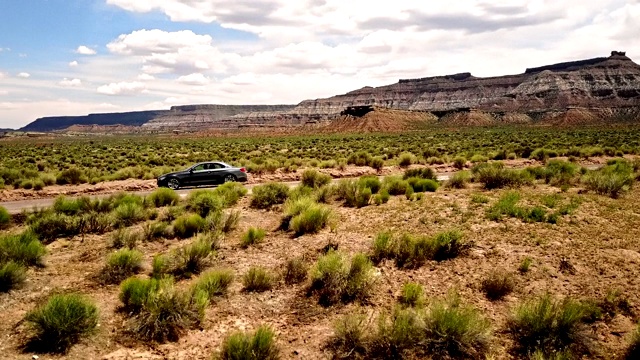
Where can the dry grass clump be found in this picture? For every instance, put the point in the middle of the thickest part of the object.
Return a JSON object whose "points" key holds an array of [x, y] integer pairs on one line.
{"points": [[121, 265], [253, 236], [412, 295], [335, 279], [495, 176], [163, 197], [188, 260], [295, 271], [410, 251], [268, 195], [305, 216], [497, 285], [214, 282], [258, 279]]}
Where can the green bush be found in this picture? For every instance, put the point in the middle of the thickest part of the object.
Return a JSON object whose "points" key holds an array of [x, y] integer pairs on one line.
{"points": [[204, 202], [459, 162], [382, 197], [612, 180], [71, 176], [423, 185], [350, 336], [497, 285], [5, 218], [458, 180], [560, 172], [295, 271], [454, 330], [495, 176], [191, 259], [410, 251], [128, 214], [62, 321], [12, 276], [422, 173], [134, 291], [406, 159], [188, 225], [214, 282], [125, 238], [24, 249], [333, 279], [412, 295], [260, 345], [377, 163], [382, 247], [268, 195], [447, 245], [253, 236], [394, 185], [122, 264], [525, 265], [164, 197], [360, 158], [548, 325], [506, 205], [231, 193], [155, 230], [311, 220], [314, 179], [50, 226], [257, 279], [371, 182], [71, 206]]}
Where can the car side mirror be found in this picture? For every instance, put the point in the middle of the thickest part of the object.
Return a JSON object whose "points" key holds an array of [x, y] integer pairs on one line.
{"points": [[191, 171]]}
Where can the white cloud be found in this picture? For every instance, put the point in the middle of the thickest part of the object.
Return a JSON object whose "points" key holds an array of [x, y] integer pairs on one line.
{"points": [[146, 77], [73, 64], [84, 50], [24, 75], [70, 82], [194, 79], [122, 88], [2, 75]]}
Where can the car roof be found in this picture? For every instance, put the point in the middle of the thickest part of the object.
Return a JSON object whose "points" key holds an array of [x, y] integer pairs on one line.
{"points": [[212, 162]]}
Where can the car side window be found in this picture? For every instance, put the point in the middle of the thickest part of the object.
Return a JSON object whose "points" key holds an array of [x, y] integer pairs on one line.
{"points": [[199, 167], [217, 166]]}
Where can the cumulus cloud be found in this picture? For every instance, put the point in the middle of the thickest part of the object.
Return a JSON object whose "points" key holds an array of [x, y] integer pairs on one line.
{"points": [[84, 50], [146, 77], [73, 64], [122, 88], [70, 82], [24, 75]]}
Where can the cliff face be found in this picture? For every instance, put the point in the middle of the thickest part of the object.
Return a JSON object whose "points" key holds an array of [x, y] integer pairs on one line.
{"points": [[136, 118]]}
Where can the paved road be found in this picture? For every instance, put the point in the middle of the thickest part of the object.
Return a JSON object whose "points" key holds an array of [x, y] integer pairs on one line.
{"points": [[15, 207]]}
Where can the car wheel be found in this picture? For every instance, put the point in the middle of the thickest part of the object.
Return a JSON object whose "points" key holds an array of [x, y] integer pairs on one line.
{"points": [[174, 184], [229, 178]]}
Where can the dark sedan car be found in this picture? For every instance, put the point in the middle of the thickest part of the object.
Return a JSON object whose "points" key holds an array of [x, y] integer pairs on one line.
{"points": [[206, 173]]}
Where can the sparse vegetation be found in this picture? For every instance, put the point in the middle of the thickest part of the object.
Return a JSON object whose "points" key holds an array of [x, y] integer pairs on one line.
{"points": [[5, 218], [497, 285], [495, 176], [122, 264], [257, 279], [335, 279], [314, 179], [12, 276], [253, 236], [268, 195], [412, 295], [214, 282], [295, 270], [612, 180], [164, 197], [188, 225]]}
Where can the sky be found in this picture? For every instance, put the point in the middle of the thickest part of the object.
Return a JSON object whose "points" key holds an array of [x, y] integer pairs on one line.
{"points": [[75, 57]]}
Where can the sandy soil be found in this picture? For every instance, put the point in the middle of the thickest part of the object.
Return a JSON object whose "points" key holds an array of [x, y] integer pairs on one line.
{"points": [[601, 239]]}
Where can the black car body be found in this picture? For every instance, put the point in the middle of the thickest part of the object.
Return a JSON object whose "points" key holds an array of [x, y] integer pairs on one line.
{"points": [[205, 173]]}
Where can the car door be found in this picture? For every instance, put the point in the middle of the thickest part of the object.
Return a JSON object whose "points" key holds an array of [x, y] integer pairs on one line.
{"points": [[198, 175], [218, 171]]}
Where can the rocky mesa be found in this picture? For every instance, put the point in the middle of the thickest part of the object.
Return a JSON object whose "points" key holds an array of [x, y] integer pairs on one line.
{"points": [[599, 90]]}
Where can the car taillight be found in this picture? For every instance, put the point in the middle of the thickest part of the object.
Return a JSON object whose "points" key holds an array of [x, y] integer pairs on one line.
{"points": [[243, 170]]}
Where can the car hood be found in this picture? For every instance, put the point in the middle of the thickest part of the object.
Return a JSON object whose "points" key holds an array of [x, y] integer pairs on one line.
{"points": [[175, 173]]}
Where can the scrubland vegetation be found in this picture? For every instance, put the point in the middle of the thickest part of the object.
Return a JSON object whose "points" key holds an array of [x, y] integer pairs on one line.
{"points": [[533, 263]]}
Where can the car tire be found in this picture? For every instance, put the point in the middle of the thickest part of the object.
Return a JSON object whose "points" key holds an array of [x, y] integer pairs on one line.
{"points": [[173, 184], [229, 178]]}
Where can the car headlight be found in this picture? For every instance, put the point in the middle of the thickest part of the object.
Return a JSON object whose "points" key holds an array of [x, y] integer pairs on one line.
{"points": [[161, 178]]}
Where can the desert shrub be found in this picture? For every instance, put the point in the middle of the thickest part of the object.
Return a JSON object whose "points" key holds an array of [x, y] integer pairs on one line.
{"points": [[497, 285], [124, 198], [155, 230], [381, 198], [350, 336], [190, 259], [204, 202], [188, 225], [525, 265], [447, 245], [62, 321], [423, 185], [304, 216], [558, 172], [38, 184], [314, 179], [230, 193], [458, 180], [128, 214], [454, 330], [479, 199], [301, 191], [371, 182], [265, 196], [360, 158], [253, 236], [257, 279], [50, 226], [548, 325], [423, 173], [166, 314], [295, 270], [410, 251], [125, 238], [12, 275], [611, 180], [412, 295], [5, 218], [121, 264], [377, 163], [334, 279], [214, 282], [164, 197], [540, 154], [223, 222], [506, 205], [72, 176], [394, 185], [260, 345], [406, 159], [24, 248], [324, 194], [495, 176], [459, 162], [294, 207], [134, 291], [382, 247], [97, 223]]}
